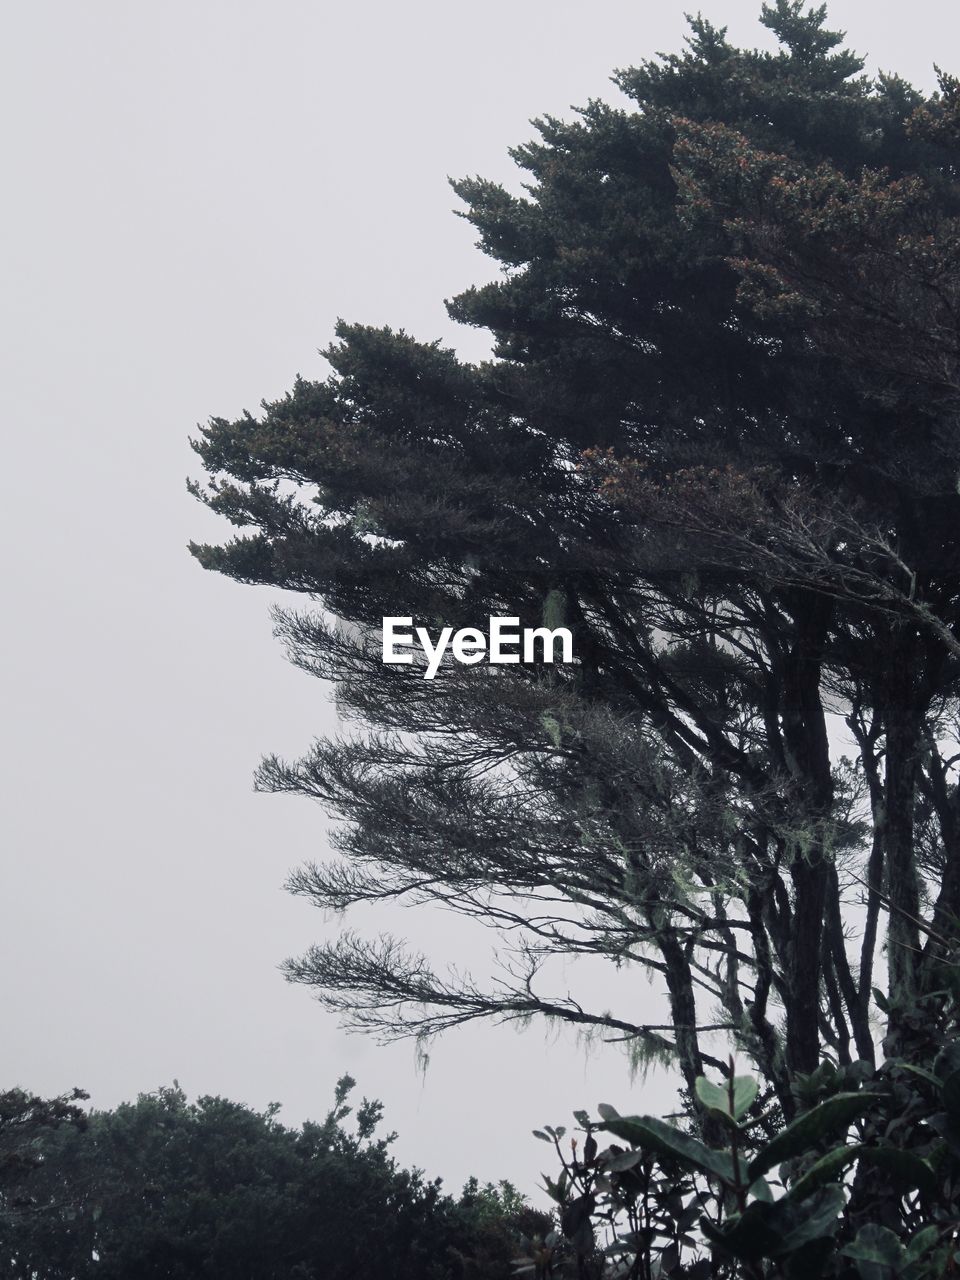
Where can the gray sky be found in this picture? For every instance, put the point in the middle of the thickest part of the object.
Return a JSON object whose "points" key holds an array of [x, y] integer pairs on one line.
{"points": [[194, 191]]}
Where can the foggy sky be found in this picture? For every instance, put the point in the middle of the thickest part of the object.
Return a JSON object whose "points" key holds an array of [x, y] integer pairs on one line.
{"points": [[193, 192]]}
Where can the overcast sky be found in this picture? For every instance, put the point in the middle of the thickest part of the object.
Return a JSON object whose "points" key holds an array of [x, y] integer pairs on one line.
{"points": [[194, 191]]}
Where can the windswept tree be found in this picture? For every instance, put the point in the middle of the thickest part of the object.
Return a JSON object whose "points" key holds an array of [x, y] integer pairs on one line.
{"points": [[718, 439]]}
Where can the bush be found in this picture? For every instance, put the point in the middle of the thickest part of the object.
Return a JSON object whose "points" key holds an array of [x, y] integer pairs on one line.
{"points": [[166, 1189], [864, 1182]]}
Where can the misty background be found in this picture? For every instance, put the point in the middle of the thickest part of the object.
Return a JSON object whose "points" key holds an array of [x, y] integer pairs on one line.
{"points": [[193, 192]]}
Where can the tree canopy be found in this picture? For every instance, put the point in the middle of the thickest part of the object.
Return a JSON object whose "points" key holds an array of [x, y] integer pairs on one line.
{"points": [[717, 438], [166, 1188]]}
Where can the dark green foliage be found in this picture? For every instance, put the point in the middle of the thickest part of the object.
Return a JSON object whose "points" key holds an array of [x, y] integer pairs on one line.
{"points": [[165, 1188], [719, 436], [866, 1176], [25, 1120]]}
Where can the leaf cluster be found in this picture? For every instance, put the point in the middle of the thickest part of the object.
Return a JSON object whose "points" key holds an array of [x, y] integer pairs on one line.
{"points": [[172, 1189]]}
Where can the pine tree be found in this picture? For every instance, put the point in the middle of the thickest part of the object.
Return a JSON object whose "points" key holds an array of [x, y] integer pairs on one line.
{"points": [[718, 436]]}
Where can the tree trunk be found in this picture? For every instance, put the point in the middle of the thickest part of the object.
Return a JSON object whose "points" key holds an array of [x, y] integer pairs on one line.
{"points": [[904, 726]]}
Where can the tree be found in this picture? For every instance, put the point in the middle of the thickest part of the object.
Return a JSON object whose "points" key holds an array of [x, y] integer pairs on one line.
{"points": [[168, 1188], [25, 1119], [718, 439]]}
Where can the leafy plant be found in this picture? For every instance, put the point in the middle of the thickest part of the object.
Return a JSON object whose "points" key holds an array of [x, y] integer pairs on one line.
{"points": [[168, 1189], [864, 1180]]}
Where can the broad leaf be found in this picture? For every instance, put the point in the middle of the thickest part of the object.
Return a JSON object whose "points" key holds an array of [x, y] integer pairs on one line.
{"points": [[773, 1230], [905, 1167], [745, 1090], [826, 1169], [717, 1097], [830, 1118], [919, 1071], [651, 1134], [877, 1252], [925, 1239], [713, 1096], [576, 1215], [760, 1190], [621, 1161]]}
